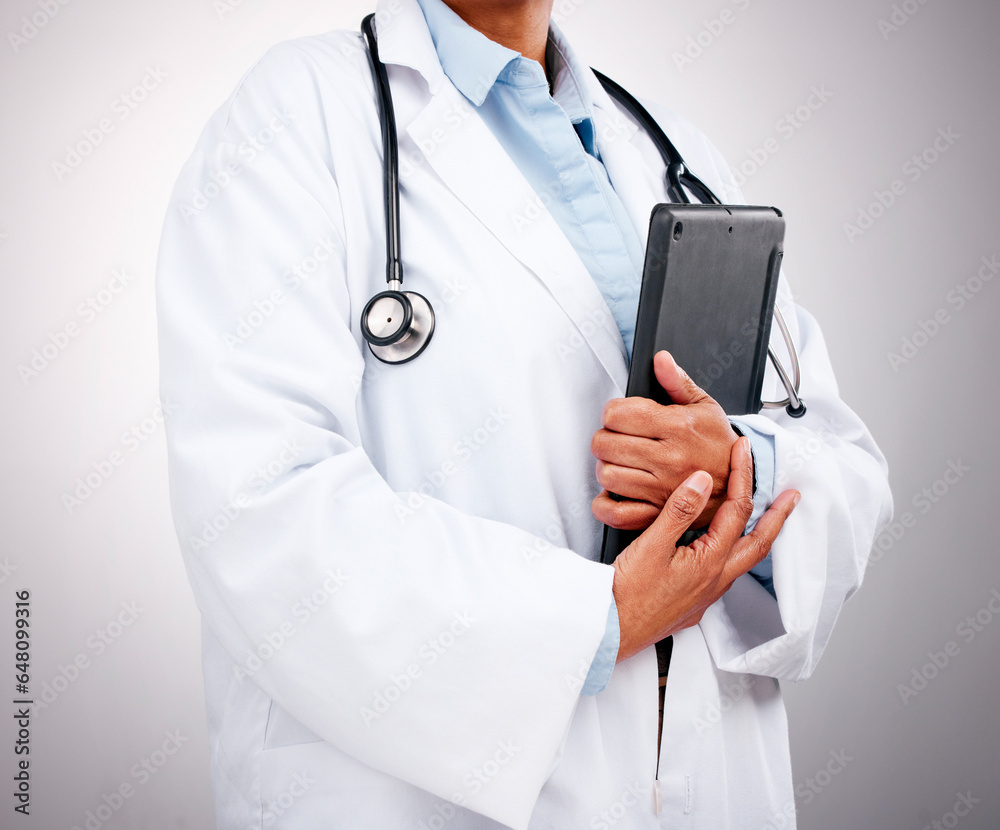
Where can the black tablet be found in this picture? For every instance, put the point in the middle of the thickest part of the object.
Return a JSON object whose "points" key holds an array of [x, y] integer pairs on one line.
{"points": [[708, 290]]}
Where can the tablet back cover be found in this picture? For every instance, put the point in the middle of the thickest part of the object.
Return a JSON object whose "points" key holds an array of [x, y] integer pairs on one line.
{"points": [[708, 289]]}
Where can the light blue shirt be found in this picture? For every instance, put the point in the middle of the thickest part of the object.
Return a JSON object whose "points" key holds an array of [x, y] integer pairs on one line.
{"points": [[551, 137]]}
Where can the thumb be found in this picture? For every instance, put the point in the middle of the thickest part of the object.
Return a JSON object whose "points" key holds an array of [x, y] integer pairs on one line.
{"points": [[675, 381], [682, 508]]}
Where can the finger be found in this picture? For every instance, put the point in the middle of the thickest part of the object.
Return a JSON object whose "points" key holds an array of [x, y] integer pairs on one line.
{"points": [[675, 381], [623, 450], [752, 548], [733, 514], [630, 483], [624, 515], [682, 508], [642, 417]]}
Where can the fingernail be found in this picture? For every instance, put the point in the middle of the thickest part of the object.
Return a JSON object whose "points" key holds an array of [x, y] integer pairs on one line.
{"points": [[700, 482], [796, 499]]}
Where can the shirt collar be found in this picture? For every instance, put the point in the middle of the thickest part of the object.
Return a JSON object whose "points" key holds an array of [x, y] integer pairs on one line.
{"points": [[569, 87], [474, 63], [471, 60]]}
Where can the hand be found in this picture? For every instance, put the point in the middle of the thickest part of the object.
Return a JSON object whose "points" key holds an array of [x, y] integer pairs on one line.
{"points": [[645, 450], [660, 589]]}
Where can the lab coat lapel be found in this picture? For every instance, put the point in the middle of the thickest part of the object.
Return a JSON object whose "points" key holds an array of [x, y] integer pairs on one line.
{"points": [[458, 146], [464, 153], [633, 164]]}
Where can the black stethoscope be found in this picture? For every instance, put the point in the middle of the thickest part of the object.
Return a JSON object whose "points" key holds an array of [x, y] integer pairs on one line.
{"points": [[399, 324]]}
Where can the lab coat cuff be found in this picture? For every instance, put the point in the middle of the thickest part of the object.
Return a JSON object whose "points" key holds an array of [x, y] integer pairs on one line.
{"points": [[607, 655], [763, 452]]}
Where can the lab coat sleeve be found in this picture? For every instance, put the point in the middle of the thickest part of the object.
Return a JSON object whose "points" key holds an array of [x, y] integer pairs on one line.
{"points": [[828, 455], [390, 632]]}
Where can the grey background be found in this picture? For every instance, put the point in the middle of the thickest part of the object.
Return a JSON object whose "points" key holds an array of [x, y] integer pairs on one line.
{"points": [[891, 93]]}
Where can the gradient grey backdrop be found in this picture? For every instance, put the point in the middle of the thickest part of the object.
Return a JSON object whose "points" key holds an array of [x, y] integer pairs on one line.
{"points": [[885, 96]]}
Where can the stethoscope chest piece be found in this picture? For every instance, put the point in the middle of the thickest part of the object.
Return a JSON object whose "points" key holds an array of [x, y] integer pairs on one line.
{"points": [[398, 325]]}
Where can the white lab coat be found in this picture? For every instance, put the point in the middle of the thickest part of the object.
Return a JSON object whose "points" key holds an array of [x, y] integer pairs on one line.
{"points": [[396, 565]]}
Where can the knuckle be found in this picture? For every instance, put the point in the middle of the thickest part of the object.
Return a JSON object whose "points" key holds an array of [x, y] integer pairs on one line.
{"points": [[613, 411], [599, 508], [744, 502], [618, 513], [650, 409], [684, 506], [688, 420], [605, 476], [597, 443], [759, 546]]}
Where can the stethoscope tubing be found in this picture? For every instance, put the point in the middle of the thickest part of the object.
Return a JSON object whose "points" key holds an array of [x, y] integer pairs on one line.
{"points": [[680, 180], [390, 163]]}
